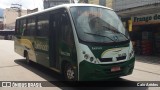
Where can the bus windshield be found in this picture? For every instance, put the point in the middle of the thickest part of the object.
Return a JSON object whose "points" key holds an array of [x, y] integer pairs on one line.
{"points": [[95, 24]]}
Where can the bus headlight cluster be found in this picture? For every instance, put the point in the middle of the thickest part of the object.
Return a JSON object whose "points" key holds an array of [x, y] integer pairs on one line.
{"points": [[88, 57], [131, 51], [131, 54]]}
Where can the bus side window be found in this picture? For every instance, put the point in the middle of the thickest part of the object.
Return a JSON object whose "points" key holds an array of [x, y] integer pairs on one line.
{"points": [[31, 27], [43, 25], [17, 28], [22, 27]]}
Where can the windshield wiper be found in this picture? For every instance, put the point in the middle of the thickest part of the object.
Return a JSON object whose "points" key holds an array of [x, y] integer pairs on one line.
{"points": [[115, 31], [100, 36]]}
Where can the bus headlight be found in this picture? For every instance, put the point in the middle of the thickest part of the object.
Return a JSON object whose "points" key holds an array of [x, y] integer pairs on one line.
{"points": [[91, 59], [131, 51], [88, 57], [131, 54]]}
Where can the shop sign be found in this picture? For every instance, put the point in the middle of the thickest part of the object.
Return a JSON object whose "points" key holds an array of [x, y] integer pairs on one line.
{"points": [[146, 19]]}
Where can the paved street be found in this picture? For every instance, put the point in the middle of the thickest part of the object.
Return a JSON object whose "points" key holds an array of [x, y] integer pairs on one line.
{"points": [[146, 69], [14, 68]]}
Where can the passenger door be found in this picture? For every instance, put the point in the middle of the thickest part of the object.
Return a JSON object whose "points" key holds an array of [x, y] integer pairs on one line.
{"points": [[61, 38], [53, 39]]}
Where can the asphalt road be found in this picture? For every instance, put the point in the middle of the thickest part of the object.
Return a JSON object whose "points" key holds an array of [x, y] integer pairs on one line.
{"points": [[14, 68]]}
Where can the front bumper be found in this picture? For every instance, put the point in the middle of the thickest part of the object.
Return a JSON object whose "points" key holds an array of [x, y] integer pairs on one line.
{"points": [[89, 71]]}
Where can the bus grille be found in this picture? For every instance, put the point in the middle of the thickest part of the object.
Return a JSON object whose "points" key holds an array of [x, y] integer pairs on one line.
{"points": [[121, 58], [110, 59], [106, 59]]}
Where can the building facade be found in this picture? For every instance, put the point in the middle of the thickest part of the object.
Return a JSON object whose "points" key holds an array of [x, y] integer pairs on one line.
{"points": [[142, 19], [107, 3], [1, 19], [1, 23], [127, 8], [52, 3], [29, 11], [9, 17]]}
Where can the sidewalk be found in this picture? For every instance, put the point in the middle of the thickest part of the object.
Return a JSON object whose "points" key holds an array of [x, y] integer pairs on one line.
{"points": [[148, 59], [150, 64], [147, 68]]}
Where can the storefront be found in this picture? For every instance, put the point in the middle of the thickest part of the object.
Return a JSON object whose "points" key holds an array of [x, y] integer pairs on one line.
{"points": [[145, 33]]}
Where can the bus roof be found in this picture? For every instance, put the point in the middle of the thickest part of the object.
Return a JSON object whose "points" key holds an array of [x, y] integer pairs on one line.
{"points": [[61, 6]]}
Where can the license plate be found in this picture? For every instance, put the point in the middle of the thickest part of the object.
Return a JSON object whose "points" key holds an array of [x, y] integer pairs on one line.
{"points": [[116, 68]]}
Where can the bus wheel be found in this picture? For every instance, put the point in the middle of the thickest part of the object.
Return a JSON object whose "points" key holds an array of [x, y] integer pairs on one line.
{"points": [[27, 59], [69, 72]]}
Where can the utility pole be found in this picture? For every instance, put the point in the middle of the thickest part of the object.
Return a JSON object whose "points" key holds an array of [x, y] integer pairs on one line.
{"points": [[18, 7]]}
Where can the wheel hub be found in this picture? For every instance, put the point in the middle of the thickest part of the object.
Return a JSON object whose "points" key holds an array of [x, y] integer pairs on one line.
{"points": [[70, 73]]}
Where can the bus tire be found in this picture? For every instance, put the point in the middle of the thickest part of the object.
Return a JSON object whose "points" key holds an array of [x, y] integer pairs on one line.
{"points": [[27, 58], [69, 72]]}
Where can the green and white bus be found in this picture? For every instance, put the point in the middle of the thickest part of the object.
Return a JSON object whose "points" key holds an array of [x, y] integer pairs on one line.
{"points": [[83, 42]]}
